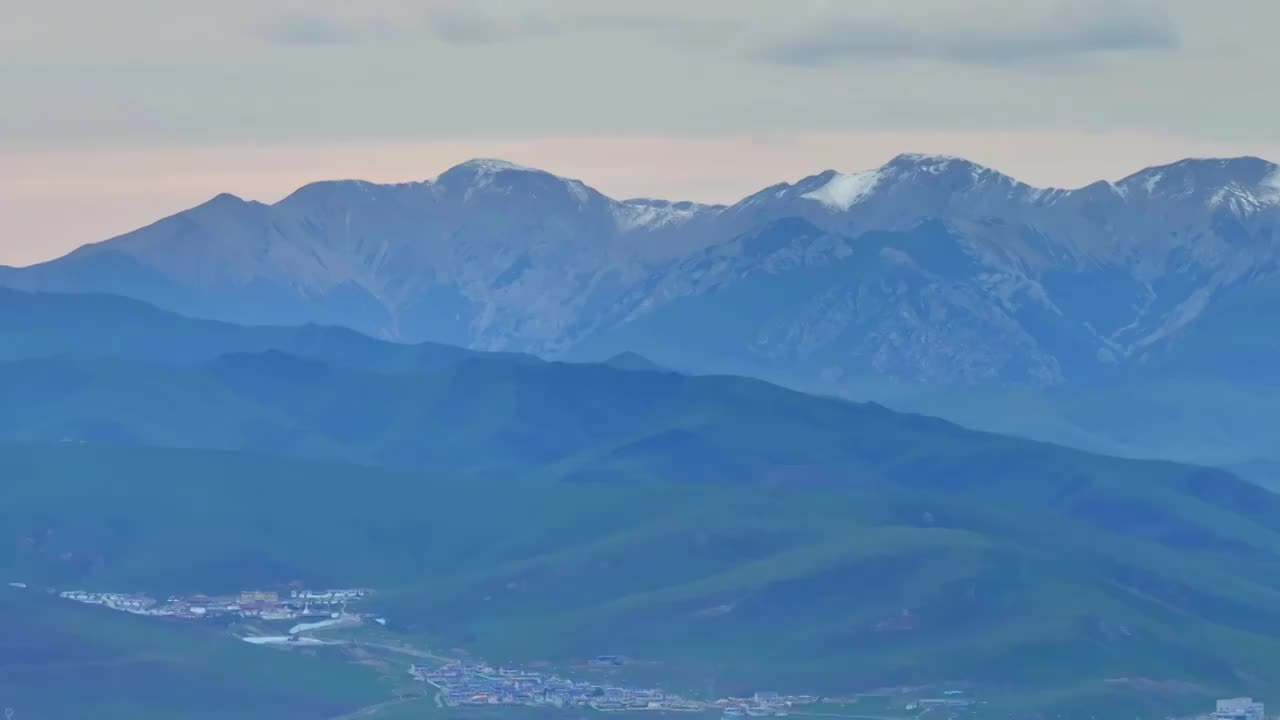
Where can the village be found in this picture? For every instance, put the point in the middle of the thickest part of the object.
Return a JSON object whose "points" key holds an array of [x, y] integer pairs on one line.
{"points": [[477, 683], [458, 683], [296, 604]]}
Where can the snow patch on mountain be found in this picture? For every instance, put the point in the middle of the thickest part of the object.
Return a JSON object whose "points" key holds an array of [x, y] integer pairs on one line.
{"points": [[1239, 200], [578, 191], [492, 165], [842, 191], [1151, 182], [1270, 187], [651, 214], [931, 164]]}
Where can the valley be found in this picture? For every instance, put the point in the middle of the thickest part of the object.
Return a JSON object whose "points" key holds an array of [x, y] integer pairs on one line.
{"points": [[581, 360], [466, 687]]}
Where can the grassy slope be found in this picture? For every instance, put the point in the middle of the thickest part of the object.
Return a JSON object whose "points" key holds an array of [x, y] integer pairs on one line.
{"points": [[740, 587], [1178, 418], [495, 416], [61, 660]]}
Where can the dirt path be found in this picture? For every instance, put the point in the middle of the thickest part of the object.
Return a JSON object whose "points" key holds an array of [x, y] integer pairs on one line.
{"points": [[404, 650], [370, 710], [801, 714]]}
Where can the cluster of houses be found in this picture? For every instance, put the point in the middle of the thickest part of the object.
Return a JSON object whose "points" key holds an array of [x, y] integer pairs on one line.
{"points": [[470, 684], [127, 602], [1241, 708], [762, 704], [462, 684], [263, 604]]}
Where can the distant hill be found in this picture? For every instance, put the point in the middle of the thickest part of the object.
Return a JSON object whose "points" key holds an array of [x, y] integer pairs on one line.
{"points": [[36, 325], [162, 380], [634, 361]]}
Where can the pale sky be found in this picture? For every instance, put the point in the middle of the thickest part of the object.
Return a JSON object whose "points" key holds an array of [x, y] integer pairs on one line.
{"points": [[115, 114]]}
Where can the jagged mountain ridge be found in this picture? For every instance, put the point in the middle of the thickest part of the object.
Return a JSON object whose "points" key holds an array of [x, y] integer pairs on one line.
{"points": [[975, 277]]}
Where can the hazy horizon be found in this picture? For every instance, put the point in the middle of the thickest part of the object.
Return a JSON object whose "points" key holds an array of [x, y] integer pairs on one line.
{"points": [[94, 215], [704, 103]]}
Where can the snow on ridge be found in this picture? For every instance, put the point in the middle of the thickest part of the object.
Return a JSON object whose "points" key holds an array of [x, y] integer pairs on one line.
{"points": [[1244, 200], [912, 165], [1270, 186], [578, 191], [1237, 198], [483, 173], [649, 213], [926, 159], [492, 165], [842, 191]]}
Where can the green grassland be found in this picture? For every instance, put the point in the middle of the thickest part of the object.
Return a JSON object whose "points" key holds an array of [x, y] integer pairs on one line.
{"points": [[731, 587], [61, 660]]}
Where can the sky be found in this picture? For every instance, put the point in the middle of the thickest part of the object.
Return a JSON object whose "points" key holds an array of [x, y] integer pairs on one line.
{"points": [[116, 114]]}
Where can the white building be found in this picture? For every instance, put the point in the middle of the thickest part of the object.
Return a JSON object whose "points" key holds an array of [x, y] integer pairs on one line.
{"points": [[1242, 708]]}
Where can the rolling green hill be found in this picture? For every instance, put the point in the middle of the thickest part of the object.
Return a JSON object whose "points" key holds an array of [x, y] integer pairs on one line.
{"points": [[498, 418]]}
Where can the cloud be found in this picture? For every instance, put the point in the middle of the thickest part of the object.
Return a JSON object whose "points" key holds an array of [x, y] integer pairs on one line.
{"points": [[461, 25], [313, 29], [465, 27], [473, 26], [1004, 36]]}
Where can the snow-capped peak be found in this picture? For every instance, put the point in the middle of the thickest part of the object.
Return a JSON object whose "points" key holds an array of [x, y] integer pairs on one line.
{"points": [[926, 162], [1243, 185], [489, 174], [956, 172], [490, 165], [841, 192], [1185, 176]]}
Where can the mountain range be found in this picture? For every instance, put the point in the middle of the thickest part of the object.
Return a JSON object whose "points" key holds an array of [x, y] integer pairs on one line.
{"points": [[919, 284]]}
